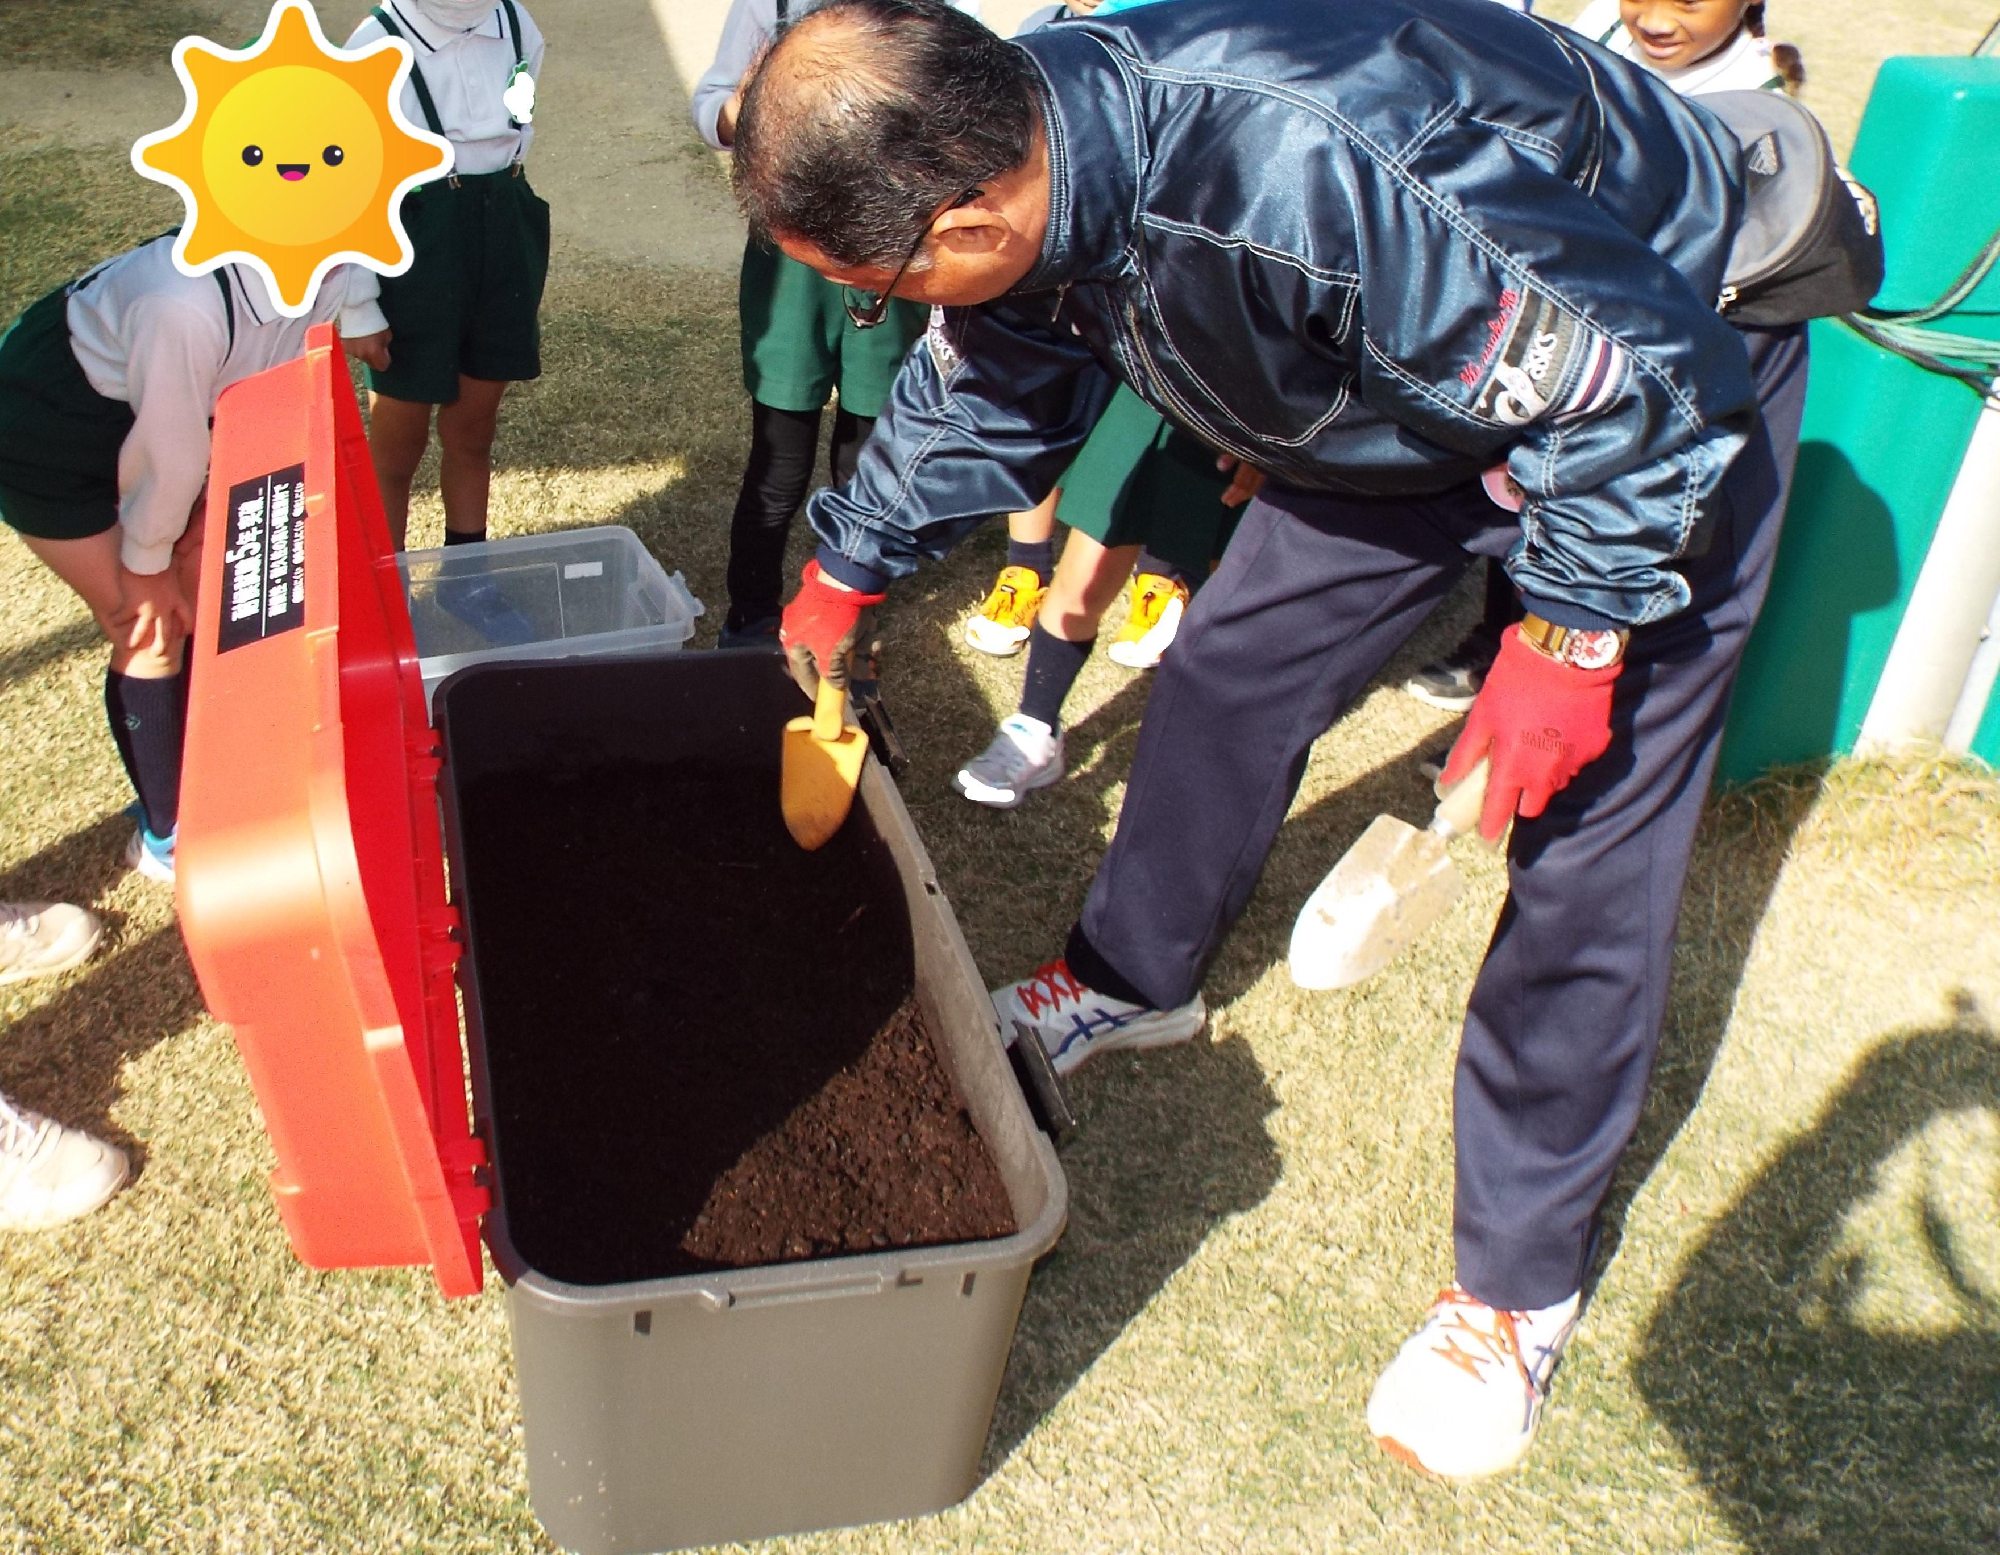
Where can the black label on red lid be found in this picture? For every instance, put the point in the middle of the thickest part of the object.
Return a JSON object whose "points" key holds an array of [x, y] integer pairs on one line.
{"points": [[264, 568]]}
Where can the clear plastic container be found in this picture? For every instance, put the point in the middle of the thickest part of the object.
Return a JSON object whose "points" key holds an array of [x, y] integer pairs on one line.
{"points": [[575, 593]]}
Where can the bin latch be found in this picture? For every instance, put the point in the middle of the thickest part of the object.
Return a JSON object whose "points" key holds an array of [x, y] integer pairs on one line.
{"points": [[466, 1175], [439, 935]]}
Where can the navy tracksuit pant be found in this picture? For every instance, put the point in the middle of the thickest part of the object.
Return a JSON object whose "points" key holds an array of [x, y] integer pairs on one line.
{"points": [[1313, 596]]}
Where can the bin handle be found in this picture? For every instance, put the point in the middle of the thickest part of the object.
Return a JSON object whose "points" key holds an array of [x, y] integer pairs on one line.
{"points": [[783, 1295]]}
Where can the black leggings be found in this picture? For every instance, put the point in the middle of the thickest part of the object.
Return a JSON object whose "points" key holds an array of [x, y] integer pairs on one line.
{"points": [[784, 447]]}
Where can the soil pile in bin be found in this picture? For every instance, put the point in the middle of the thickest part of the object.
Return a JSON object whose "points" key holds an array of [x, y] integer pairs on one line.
{"points": [[703, 1044]]}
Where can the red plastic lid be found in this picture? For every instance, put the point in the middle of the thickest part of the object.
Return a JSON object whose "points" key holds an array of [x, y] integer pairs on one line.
{"points": [[311, 868]]}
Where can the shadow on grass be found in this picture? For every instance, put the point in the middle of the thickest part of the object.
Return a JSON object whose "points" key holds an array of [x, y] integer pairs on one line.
{"points": [[52, 646], [1170, 1144], [1817, 1433], [82, 867], [65, 1055], [1739, 853], [1168, 1149]]}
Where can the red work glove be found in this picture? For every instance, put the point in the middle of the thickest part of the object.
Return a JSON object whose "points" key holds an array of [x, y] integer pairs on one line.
{"points": [[1541, 721], [821, 626]]}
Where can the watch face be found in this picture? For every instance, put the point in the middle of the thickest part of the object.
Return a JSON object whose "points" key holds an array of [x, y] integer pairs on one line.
{"points": [[1591, 650]]}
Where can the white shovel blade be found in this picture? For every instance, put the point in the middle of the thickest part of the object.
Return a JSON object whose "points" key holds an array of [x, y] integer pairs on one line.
{"points": [[1386, 891]]}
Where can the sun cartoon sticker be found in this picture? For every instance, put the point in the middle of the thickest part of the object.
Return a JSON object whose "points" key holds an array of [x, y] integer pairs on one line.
{"points": [[292, 156]]}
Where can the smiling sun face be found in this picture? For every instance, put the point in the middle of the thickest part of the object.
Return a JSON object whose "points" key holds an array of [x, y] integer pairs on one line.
{"points": [[292, 156]]}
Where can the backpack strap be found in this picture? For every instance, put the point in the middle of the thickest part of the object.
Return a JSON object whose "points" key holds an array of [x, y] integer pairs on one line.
{"points": [[424, 98]]}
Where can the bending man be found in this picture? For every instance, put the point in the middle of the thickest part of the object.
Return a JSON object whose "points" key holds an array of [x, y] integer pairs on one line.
{"points": [[1374, 251]]}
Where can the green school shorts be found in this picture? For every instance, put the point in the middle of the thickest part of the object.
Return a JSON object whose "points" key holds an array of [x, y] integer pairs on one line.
{"points": [[1138, 481], [59, 438], [799, 344], [471, 303]]}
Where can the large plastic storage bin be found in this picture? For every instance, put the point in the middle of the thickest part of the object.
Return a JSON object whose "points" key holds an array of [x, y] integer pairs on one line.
{"points": [[312, 897], [564, 595], [708, 1408]]}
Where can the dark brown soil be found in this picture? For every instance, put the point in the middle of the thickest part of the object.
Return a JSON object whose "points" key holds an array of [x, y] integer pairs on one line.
{"points": [[883, 1156], [702, 1044]]}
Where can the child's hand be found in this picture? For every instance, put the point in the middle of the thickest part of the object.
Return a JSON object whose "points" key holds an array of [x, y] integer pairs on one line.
{"points": [[1248, 480], [153, 614], [372, 349]]}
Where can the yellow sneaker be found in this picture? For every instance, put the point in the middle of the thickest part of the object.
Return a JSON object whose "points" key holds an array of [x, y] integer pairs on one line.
{"points": [[1003, 622], [1157, 605]]}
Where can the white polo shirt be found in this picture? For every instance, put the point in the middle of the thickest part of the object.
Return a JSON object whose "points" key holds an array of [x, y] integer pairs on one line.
{"points": [[466, 73], [160, 341]]}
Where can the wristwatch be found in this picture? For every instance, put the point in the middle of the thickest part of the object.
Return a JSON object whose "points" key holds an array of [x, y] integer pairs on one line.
{"points": [[1577, 647]]}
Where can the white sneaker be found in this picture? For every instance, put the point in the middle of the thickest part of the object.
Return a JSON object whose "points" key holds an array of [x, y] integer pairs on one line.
{"points": [[1025, 755], [50, 1174], [1075, 1022], [38, 939], [1462, 1398]]}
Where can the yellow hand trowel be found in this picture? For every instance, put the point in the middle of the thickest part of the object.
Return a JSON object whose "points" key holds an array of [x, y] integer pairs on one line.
{"points": [[822, 765], [1391, 886]]}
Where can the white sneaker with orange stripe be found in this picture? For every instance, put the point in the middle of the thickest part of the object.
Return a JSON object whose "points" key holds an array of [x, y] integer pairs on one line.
{"points": [[1074, 1022], [1462, 1398]]}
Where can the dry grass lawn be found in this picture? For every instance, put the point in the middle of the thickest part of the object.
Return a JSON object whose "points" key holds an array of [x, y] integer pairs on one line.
{"points": [[1794, 1348]]}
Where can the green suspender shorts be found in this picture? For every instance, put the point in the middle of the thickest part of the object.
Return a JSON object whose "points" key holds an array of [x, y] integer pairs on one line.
{"points": [[1138, 481], [59, 438], [799, 344], [471, 302]]}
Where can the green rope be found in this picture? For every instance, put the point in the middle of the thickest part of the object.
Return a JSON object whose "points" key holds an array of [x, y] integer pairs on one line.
{"points": [[1968, 358]]}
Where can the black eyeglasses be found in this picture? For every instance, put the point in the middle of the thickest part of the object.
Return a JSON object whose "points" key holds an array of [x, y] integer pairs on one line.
{"points": [[878, 310]]}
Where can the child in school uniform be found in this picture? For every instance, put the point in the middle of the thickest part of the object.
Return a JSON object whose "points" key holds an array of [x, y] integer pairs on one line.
{"points": [[1695, 46], [800, 343], [1004, 622], [107, 386], [1138, 492], [465, 317]]}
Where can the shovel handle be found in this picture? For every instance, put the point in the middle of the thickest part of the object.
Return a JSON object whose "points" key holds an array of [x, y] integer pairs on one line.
{"points": [[1459, 806], [829, 712]]}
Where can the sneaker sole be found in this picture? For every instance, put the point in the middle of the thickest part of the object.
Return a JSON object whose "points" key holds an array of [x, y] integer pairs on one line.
{"points": [[1409, 1459], [1073, 1059], [68, 963], [965, 784], [1145, 652], [1446, 704], [1002, 649], [74, 1212]]}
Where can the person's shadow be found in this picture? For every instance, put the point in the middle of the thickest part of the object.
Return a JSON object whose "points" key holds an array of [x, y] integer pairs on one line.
{"points": [[64, 1056], [1817, 1430]]}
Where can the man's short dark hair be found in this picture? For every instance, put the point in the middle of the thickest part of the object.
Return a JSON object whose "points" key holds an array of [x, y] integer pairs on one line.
{"points": [[868, 115]]}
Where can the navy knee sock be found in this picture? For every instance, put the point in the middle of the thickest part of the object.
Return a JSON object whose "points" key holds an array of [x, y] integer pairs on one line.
{"points": [[146, 719], [1038, 556], [464, 537], [1053, 665]]}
